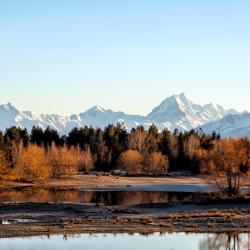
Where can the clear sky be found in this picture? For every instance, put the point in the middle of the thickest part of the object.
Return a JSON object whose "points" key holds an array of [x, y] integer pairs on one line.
{"points": [[63, 56]]}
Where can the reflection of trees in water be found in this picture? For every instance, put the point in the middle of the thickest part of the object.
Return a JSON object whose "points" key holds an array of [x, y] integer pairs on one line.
{"points": [[30, 194], [44, 195], [139, 197], [230, 241]]}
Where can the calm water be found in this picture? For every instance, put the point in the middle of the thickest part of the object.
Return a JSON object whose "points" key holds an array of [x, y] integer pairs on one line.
{"points": [[177, 241], [29, 194]]}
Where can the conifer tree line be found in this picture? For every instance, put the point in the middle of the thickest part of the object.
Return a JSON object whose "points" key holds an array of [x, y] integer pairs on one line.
{"points": [[45, 154]]}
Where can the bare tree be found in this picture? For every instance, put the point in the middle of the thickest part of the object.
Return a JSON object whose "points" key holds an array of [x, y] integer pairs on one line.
{"points": [[191, 145], [137, 140]]}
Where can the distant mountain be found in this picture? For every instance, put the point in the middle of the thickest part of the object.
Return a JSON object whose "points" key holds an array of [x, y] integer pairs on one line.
{"points": [[100, 117], [237, 125], [176, 111], [179, 112]]}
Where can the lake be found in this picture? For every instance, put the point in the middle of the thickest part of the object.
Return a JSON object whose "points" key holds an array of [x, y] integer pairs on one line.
{"points": [[31, 194], [173, 241]]}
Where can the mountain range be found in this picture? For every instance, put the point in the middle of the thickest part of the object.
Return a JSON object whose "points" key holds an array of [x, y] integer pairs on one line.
{"points": [[176, 111]]}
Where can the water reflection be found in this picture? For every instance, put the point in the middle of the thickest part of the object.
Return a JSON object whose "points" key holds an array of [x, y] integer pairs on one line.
{"points": [[29, 194], [231, 241], [176, 241]]}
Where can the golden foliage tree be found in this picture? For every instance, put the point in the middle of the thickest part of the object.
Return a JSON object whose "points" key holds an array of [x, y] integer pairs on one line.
{"points": [[64, 161], [227, 159], [191, 145], [156, 163], [131, 161], [32, 164], [85, 160], [4, 165]]}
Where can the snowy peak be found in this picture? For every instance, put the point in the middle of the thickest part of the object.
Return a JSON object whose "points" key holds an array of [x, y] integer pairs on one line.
{"points": [[8, 107], [95, 109], [182, 113]]}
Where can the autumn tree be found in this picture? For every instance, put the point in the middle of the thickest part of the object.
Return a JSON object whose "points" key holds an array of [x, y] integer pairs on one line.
{"points": [[32, 164], [227, 159], [64, 160], [191, 145], [131, 161], [156, 163], [85, 159], [4, 165]]}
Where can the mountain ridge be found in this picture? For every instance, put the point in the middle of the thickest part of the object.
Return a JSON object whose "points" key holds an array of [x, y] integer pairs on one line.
{"points": [[176, 111]]}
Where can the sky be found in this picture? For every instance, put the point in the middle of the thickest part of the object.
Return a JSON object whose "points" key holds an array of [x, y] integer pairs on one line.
{"points": [[64, 56]]}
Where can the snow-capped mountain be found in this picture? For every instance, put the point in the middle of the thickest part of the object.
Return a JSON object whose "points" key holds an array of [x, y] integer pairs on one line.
{"points": [[95, 117], [237, 125], [179, 112], [100, 117], [174, 112]]}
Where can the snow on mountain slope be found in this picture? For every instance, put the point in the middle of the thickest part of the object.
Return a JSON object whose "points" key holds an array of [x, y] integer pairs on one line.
{"points": [[235, 125], [179, 112], [99, 117], [176, 111]]}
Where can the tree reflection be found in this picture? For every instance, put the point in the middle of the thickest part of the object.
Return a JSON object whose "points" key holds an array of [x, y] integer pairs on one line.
{"points": [[230, 241]]}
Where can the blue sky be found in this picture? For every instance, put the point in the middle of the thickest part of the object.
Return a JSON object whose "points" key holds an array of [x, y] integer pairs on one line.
{"points": [[64, 56]]}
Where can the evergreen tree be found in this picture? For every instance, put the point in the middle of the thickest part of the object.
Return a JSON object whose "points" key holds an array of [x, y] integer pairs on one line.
{"points": [[24, 136], [13, 135], [37, 136], [49, 136]]}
